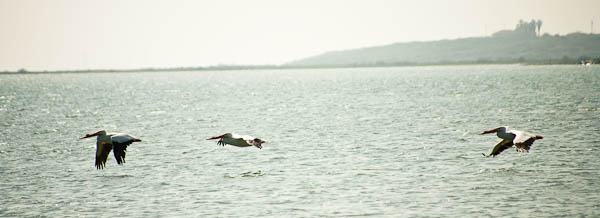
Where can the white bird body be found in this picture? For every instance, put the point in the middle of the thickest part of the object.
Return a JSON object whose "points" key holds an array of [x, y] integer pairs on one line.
{"points": [[105, 142], [521, 139], [505, 134], [238, 140], [521, 136]]}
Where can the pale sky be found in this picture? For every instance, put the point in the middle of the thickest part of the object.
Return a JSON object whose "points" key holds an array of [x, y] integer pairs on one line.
{"points": [[124, 34]]}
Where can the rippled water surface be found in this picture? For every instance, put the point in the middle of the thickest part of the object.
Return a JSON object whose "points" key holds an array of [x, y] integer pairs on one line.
{"points": [[382, 142]]}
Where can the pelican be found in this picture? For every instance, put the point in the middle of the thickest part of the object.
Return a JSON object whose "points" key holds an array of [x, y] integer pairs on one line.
{"points": [[522, 140], [106, 142], [238, 140]]}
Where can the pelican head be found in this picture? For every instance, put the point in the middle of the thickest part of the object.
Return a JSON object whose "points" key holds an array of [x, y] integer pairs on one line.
{"points": [[258, 142], [99, 133]]}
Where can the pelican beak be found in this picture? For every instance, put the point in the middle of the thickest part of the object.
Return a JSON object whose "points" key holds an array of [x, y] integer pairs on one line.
{"points": [[489, 131], [216, 137], [89, 135]]}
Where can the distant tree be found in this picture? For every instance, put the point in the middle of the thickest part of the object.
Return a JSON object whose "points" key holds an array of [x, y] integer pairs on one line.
{"points": [[526, 29], [538, 24], [520, 26]]}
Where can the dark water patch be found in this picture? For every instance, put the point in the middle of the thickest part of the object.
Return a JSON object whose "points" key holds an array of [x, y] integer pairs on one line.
{"points": [[252, 174], [115, 176], [249, 174]]}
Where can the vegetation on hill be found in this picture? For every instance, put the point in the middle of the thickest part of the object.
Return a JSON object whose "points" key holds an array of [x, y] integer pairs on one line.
{"points": [[524, 45]]}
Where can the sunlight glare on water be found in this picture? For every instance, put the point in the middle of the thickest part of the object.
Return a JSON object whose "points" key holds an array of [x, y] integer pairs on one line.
{"points": [[395, 142]]}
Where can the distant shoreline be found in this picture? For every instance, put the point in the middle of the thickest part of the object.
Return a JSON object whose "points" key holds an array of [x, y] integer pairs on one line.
{"points": [[285, 67]]}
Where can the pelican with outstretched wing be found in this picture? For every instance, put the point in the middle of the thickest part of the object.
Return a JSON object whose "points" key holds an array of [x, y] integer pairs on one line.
{"points": [[520, 139], [238, 140], [105, 142]]}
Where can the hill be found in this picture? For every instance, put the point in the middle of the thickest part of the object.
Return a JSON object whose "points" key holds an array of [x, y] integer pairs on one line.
{"points": [[507, 46]]}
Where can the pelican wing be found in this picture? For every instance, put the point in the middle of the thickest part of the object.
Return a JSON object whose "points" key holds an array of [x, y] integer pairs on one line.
{"points": [[521, 137], [501, 146], [102, 151], [120, 143], [525, 146], [248, 140]]}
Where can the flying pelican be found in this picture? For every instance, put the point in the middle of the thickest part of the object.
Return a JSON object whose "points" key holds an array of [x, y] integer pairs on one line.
{"points": [[106, 142], [238, 140], [522, 140]]}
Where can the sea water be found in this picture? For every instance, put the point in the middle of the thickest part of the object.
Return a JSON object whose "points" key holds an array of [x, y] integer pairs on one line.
{"points": [[381, 142]]}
